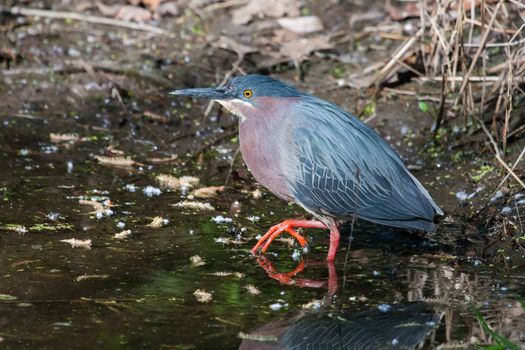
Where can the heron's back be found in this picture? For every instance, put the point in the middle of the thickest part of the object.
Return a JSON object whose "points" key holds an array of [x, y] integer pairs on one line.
{"points": [[341, 167]]}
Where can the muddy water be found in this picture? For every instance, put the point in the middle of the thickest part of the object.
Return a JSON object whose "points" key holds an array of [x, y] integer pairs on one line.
{"points": [[395, 291]]}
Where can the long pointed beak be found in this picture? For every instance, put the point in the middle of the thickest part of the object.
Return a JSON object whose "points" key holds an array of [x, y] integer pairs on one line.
{"points": [[211, 93]]}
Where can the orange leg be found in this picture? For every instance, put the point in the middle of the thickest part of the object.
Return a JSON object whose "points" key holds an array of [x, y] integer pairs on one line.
{"points": [[334, 243], [287, 226]]}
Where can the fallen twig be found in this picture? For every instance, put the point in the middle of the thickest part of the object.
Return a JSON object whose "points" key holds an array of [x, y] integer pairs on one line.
{"points": [[80, 66], [23, 11]]}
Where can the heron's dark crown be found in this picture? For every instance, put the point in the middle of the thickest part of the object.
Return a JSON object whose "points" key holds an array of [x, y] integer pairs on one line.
{"points": [[263, 86]]}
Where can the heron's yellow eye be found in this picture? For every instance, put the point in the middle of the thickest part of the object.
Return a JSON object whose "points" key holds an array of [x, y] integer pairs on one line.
{"points": [[248, 93]]}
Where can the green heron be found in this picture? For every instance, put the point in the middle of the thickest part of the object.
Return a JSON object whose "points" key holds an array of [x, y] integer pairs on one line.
{"points": [[312, 152]]}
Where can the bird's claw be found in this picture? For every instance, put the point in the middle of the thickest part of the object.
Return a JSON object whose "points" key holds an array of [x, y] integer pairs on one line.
{"points": [[274, 232]]}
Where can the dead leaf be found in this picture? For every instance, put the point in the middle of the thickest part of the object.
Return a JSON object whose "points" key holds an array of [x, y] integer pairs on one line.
{"points": [[301, 25], [152, 4], [408, 10], [267, 8], [202, 296], [108, 10], [157, 222], [133, 14], [230, 44], [208, 192], [167, 8], [125, 12], [78, 243], [299, 49]]}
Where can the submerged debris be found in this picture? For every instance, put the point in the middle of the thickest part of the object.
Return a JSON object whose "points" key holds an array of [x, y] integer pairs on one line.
{"points": [[78, 243], [203, 296]]}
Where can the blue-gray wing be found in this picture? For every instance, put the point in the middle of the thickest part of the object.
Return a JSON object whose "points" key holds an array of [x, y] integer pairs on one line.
{"points": [[342, 167]]}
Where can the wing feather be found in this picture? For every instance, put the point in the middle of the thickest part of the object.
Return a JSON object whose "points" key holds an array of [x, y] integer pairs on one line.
{"points": [[342, 167]]}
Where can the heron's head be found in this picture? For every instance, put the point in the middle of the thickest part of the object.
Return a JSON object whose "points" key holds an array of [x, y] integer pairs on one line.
{"points": [[244, 94]]}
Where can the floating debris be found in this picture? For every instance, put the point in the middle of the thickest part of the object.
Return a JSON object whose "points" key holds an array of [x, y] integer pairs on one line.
{"points": [[253, 290], [97, 207], [116, 161], [123, 234], [301, 24], [151, 191], [462, 196], [257, 194], [53, 216], [258, 337], [174, 183], [194, 205], [197, 261], [202, 296], [20, 229], [219, 219], [7, 297], [208, 192], [313, 305], [88, 277], [121, 225], [254, 218], [131, 188], [384, 307], [277, 306], [60, 138], [227, 273], [157, 222], [78, 243]]}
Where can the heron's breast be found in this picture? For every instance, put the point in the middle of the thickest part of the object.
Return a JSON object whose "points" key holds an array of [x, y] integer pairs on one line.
{"points": [[262, 148]]}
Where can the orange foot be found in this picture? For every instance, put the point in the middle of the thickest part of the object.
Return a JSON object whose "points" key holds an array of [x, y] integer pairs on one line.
{"points": [[286, 226]]}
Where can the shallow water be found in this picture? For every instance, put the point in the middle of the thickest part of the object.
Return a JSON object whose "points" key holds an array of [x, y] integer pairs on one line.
{"points": [[138, 292]]}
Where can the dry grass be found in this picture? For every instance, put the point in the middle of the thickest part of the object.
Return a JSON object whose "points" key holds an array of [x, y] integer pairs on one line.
{"points": [[475, 51]]}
